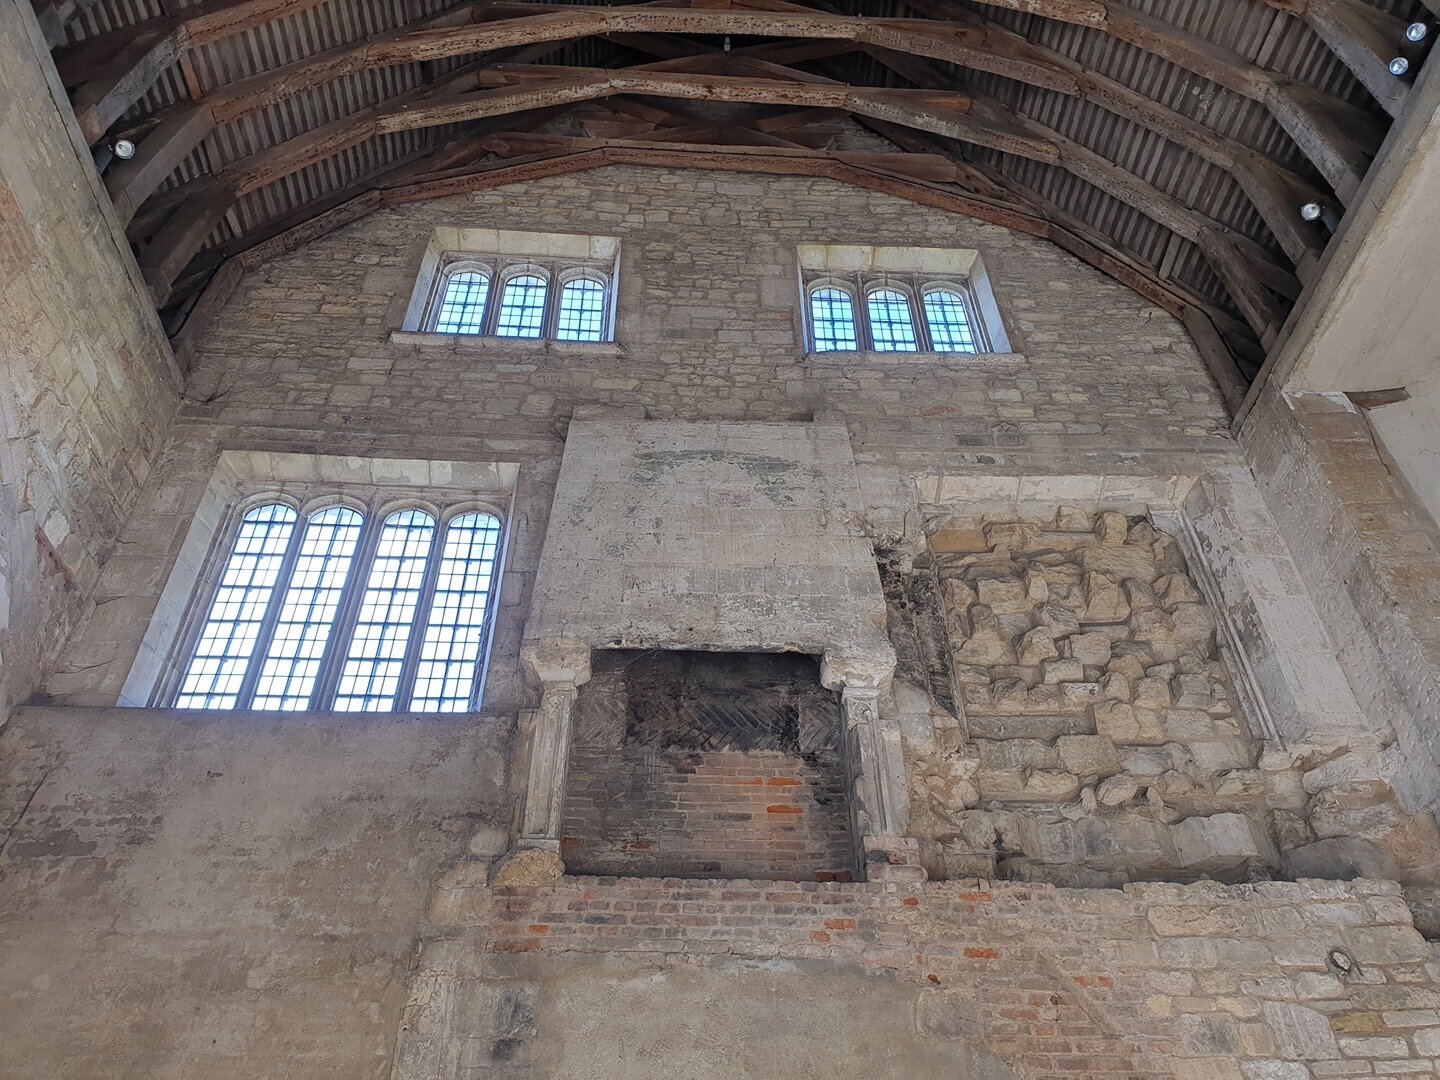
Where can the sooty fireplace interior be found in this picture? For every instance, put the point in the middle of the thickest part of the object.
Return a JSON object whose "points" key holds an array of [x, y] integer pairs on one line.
{"points": [[707, 764]]}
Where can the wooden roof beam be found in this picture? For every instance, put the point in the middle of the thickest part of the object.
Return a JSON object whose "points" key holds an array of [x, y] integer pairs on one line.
{"points": [[1364, 39], [131, 182], [1339, 139], [108, 92]]}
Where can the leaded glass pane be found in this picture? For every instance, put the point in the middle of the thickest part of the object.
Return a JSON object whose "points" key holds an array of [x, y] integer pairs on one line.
{"points": [[892, 329], [307, 609], [227, 641], [455, 634], [370, 679], [832, 320], [582, 311], [522, 307], [949, 322], [462, 309]]}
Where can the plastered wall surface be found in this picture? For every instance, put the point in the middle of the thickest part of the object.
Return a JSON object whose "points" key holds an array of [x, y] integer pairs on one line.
{"points": [[86, 388], [213, 895]]}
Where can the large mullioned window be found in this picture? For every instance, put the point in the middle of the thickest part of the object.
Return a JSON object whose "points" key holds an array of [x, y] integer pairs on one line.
{"points": [[523, 299], [892, 313], [337, 609]]}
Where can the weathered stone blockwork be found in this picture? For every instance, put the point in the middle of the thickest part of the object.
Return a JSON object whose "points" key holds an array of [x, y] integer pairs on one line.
{"points": [[1211, 982], [190, 895], [87, 382]]}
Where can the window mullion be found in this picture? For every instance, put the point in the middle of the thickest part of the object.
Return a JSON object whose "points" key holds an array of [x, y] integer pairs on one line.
{"points": [[865, 342], [550, 319], [246, 694], [924, 341], [336, 649], [405, 687], [492, 300]]}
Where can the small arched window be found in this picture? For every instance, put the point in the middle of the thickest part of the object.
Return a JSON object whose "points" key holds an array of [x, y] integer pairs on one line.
{"points": [[522, 306], [832, 319], [462, 304], [337, 614], [947, 318], [582, 310], [892, 325]]}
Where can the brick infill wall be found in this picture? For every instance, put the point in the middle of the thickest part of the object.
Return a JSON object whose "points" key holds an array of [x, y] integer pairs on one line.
{"points": [[680, 813], [1204, 982]]}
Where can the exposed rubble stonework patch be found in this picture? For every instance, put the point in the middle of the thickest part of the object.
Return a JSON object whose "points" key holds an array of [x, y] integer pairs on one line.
{"points": [[1099, 738]]}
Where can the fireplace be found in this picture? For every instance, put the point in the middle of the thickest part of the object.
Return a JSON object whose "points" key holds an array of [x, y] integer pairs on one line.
{"points": [[714, 582], [707, 764]]}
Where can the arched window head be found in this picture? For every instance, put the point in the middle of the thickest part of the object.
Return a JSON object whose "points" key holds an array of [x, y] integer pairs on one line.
{"points": [[394, 589], [892, 325], [832, 320], [522, 307], [462, 307], [582, 310], [947, 317], [220, 661]]}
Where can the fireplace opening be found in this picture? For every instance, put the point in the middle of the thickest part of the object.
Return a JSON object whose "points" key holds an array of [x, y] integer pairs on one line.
{"points": [[707, 765]]}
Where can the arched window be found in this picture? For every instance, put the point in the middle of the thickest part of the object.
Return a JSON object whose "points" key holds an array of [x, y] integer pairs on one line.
{"points": [[335, 613], [522, 306], [462, 305], [832, 319], [221, 657], [308, 609], [947, 318], [455, 633], [892, 326], [370, 679], [582, 310]]}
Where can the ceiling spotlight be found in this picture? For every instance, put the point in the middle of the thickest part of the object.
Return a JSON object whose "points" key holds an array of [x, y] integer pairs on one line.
{"points": [[1416, 31], [1399, 66], [1311, 211], [124, 149]]}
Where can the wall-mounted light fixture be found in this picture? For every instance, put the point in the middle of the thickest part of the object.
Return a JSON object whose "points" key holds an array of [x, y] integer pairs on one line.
{"points": [[1399, 66], [1416, 31]]}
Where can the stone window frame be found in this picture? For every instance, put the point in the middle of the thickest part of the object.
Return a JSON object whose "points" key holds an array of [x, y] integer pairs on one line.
{"points": [[859, 269], [243, 479], [498, 271], [501, 254], [859, 287], [375, 512]]}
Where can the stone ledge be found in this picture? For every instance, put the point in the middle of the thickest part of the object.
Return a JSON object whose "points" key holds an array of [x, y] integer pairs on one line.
{"points": [[929, 359], [489, 343]]}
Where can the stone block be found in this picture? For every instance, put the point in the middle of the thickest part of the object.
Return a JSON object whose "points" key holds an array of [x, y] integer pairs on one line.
{"points": [[1088, 755], [1301, 1034], [1221, 842]]}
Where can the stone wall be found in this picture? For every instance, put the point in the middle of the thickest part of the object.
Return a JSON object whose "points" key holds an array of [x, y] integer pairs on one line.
{"points": [[1370, 555], [88, 383], [304, 358], [214, 896], [1276, 981]]}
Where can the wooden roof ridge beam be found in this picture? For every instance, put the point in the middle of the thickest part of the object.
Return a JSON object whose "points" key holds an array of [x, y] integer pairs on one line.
{"points": [[938, 39], [1363, 38], [932, 167]]}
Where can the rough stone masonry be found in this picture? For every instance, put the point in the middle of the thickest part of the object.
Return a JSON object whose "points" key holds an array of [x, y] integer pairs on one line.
{"points": [[208, 895]]}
